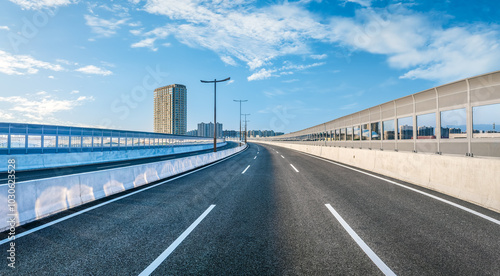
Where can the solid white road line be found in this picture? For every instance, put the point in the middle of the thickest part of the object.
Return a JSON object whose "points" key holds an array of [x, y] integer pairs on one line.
{"points": [[110, 166], [174, 245], [412, 189], [375, 259], [282, 157], [294, 168], [113, 200], [246, 169]]}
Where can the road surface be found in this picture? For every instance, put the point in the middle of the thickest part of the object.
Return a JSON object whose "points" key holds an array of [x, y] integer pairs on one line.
{"points": [[267, 211]]}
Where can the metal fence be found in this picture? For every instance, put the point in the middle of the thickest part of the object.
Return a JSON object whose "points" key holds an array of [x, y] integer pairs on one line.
{"points": [[31, 138], [462, 118]]}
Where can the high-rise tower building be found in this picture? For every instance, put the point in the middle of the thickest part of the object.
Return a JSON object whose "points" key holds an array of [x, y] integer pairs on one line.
{"points": [[170, 109]]}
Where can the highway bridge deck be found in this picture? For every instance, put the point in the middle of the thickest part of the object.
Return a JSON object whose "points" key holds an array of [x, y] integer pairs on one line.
{"points": [[267, 211]]}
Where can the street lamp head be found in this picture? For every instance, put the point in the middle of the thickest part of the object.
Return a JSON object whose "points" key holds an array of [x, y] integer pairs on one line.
{"points": [[215, 80]]}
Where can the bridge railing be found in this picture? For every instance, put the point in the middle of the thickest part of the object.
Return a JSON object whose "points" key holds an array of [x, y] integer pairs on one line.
{"points": [[32, 138], [462, 118]]}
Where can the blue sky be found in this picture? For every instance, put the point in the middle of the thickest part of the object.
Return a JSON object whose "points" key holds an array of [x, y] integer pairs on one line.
{"points": [[298, 63]]}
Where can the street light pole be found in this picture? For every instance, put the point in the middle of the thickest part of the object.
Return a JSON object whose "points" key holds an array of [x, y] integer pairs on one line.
{"points": [[246, 133], [241, 101], [215, 81]]}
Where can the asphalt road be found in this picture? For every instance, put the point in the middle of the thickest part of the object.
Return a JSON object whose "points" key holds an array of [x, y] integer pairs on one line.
{"points": [[47, 173], [264, 212]]}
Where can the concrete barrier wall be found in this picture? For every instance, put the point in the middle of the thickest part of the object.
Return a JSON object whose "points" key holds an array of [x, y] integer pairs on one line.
{"points": [[55, 160], [40, 198], [476, 180]]}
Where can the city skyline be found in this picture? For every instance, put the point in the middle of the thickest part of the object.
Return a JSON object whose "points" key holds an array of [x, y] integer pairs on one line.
{"points": [[299, 63], [207, 129]]}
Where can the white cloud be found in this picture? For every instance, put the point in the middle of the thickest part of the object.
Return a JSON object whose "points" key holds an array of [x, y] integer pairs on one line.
{"points": [[147, 42], [151, 37], [6, 116], [241, 31], [94, 70], [231, 28], [136, 32], [23, 64], [228, 60], [75, 92], [455, 53], [364, 3], [319, 57], [104, 27], [51, 77], [410, 41], [289, 66], [39, 4], [261, 74], [287, 69], [115, 9], [42, 107]]}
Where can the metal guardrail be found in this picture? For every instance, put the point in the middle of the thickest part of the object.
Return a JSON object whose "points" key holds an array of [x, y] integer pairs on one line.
{"points": [[32, 138], [462, 118]]}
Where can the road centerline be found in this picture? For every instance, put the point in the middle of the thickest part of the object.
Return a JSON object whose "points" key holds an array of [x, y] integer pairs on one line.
{"points": [[368, 251], [294, 168], [245, 169], [174, 245]]}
